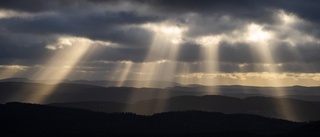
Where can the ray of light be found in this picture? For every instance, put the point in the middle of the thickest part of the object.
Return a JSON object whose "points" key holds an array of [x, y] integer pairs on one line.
{"points": [[164, 50], [290, 21], [210, 52], [57, 68], [121, 72], [184, 69], [262, 39], [209, 49], [160, 62], [125, 72]]}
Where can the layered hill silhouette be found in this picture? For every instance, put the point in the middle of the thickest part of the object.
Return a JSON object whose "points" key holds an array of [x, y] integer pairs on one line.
{"points": [[70, 92], [102, 83], [148, 101], [22, 92], [298, 92], [282, 108], [21, 119]]}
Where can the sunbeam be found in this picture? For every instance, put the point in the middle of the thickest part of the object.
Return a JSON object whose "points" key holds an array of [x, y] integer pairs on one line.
{"points": [[163, 51], [124, 68], [160, 63], [70, 50], [262, 39], [209, 49]]}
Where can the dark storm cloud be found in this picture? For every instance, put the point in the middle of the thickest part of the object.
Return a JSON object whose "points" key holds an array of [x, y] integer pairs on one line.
{"points": [[254, 9], [241, 11], [30, 5], [189, 52], [23, 49], [202, 5], [133, 37], [101, 26], [26, 38], [238, 53], [119, 54], [42, 6], [307, 9], [245, 53], [212, 24]]}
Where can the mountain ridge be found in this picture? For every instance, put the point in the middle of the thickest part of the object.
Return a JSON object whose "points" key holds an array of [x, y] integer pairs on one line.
{"points": [[263, 106], [57, 121]]}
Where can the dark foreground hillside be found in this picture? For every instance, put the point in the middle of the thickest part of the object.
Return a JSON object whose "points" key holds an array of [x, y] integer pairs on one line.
{"points": [[19, 119], [281, 108]]}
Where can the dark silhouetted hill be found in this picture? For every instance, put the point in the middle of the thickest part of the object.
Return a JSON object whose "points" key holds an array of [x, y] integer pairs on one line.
{"points": [[102, 83], [296, 92], [282, 108], [127, 83], [108, 107], [151, 100], [67, 92], [20, 119], [310, 130]]}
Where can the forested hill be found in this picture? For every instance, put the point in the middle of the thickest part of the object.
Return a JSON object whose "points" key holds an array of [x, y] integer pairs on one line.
{"points": [[39, 120], [282, 108]]}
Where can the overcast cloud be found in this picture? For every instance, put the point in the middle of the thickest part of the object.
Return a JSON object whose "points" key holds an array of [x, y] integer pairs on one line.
{"points": [[249, 35]]}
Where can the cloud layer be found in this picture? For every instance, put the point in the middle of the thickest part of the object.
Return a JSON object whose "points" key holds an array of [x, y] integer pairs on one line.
{"points": [[245, 36]]}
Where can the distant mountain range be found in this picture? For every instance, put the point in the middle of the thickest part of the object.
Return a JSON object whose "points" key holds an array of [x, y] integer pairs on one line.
{"points": [[67, 92], [74, 92], [20, 119], [102, 83], [282, 108], [297, 92], [300, 104]]}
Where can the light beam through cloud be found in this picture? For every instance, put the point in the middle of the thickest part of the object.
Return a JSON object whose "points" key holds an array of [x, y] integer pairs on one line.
{"points": [[261, 40], [70, 51]]}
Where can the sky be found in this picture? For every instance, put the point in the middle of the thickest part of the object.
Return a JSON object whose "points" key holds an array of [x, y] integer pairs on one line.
{"points": [[207, 42]]}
